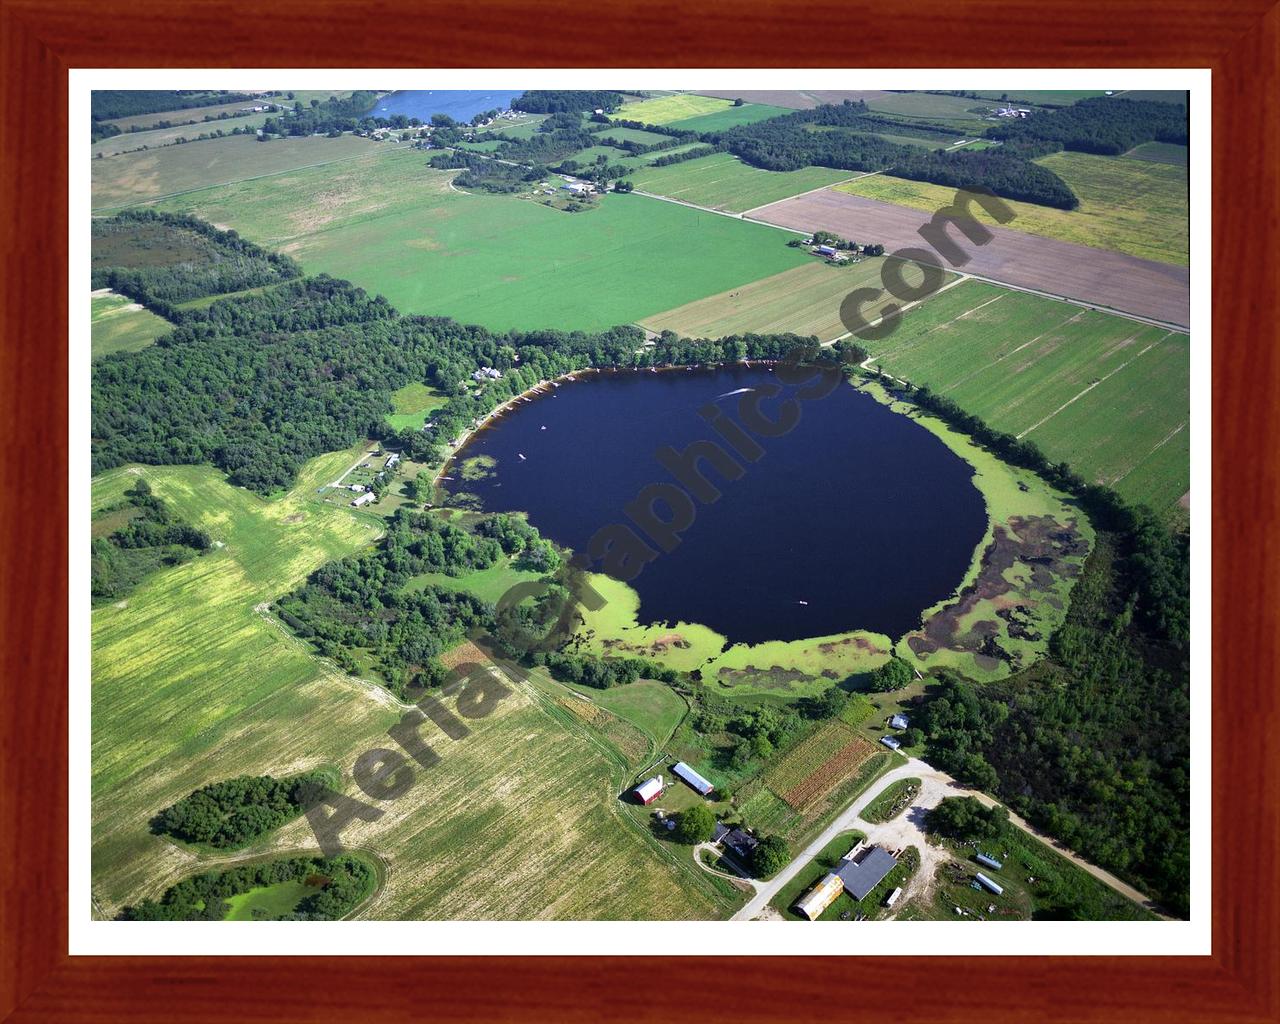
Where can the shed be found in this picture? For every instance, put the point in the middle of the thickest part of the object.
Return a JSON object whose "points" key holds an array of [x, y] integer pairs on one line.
{"points": [[827, 250], [892, 898], [898, 722], [864, 874], [984, 880], [649, 790], [890, 742], [821, 896], [988, 861], [392, 459], [687, 774], [364, 499]]}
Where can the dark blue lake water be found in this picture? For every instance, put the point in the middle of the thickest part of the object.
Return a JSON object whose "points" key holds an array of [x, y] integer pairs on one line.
{"points": [[460, 104], [858, 518]]}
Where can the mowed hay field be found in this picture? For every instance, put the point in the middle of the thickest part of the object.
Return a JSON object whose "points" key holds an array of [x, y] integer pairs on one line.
{"points": [[723, 120], [1137, 207], [192, 683], [395, 227], [804, 301], [119, 324], [665, 109], [1108, 395], [723, 182], [138, 177]]}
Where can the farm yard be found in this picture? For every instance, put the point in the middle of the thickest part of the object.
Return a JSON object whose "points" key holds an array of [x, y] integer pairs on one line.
{"points": [[395, 227], [192, 683], [1131, 206], [1100, 392], [120, 325], [1112, 280], [723, 182]]}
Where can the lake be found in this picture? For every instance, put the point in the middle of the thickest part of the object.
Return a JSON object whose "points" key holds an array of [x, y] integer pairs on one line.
{"points": [[858, 518], [459, 104]]}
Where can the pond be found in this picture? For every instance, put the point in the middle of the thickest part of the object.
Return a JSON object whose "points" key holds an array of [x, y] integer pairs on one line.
{"points": [[857, 518]]}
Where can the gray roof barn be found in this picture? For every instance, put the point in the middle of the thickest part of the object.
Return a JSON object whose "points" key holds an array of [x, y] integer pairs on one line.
{"points": [[864, 875]]}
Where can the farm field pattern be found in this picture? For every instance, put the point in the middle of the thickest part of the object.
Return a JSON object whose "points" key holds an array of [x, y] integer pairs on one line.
{"points": [[192, 683], [1101, 392]]}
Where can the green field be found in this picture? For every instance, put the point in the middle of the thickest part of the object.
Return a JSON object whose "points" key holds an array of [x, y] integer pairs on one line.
{"points": [[413, 404], [192, 682], [723, 182], [1098, 391], [269, 901], [139, 177], [1161, 153], [393, 226], [730, 117], [1131, 206], [677, 107], [631, 135], [653, 707], [926, 106], [120, 325], [1055, 97], [487, 584], [140, 122], [158, 137], [805, 301]]}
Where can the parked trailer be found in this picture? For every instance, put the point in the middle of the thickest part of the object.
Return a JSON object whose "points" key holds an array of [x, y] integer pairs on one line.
{"points": [[987, 860], [997, 889], [893, 897]]}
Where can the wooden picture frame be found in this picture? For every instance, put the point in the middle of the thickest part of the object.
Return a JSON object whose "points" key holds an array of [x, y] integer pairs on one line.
{"points": [[42, 39]]}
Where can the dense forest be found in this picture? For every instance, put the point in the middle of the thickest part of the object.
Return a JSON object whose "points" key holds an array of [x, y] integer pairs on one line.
{"points": [[555, 101], [838, 135], [230, 814], [164, 259], [1104, 124], [149, 537], [339, 885], [109, 104]]}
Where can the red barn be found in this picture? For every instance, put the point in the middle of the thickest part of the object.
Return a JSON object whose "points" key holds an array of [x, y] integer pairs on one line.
{"points": [[648, 792]]}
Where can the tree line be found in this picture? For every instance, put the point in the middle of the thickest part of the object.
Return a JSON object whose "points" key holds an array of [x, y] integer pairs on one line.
{"points": [[112, 104], [1104, 124], [555, 101]]}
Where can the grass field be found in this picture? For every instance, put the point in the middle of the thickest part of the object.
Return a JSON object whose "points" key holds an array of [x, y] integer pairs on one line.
{"points": [[1054, 97], [120, 325], [1160, 153], [268, 900], [140, 122], [722, 120], [1130, 206], [139, 177], [652, 707], [192, 683], [723, 182], [487, 584], [413, 404], [395, 227], [677, 107], [926, 106], [1101, 392], [158, 137], [804, 301], [631, 135]]}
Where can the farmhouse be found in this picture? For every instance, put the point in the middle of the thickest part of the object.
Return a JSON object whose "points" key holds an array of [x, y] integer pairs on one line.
{"points": [[898, 722], [688, 775], [649, 790], [487, 373], [392, 459], [739, 842], [364, 499]]}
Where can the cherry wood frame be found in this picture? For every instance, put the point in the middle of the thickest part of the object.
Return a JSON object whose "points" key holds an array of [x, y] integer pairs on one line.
{"points": [[41, 39]]}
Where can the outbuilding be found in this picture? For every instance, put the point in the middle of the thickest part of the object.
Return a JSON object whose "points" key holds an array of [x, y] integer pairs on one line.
{"points": [[890, 742], [364, 499], [988, 861], [696, 781], [898, 722], [649, 790], [821, 896], [985, 881], [864, 874]]}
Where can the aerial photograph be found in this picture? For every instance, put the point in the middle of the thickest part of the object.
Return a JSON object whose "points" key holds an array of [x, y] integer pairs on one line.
{"points": [[639, 505]]}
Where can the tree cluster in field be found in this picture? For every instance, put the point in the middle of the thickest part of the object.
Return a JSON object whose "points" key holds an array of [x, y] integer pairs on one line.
{"points": [[790, 142], [556, 101], [1104, 124], [111, 104], [893, 675], [152, 539], [163, 259], [333, 117], [967, 819], [235, 812], [358, 610], [339, 885]]}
